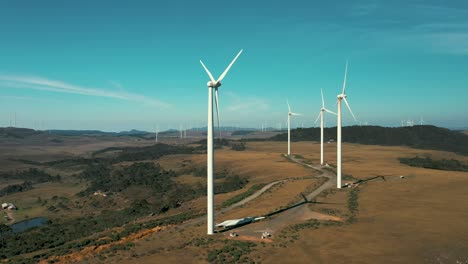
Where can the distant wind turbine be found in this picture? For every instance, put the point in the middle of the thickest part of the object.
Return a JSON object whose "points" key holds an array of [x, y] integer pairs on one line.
{"points": [[340, 97], [289, 126], [212, 84], [320, 115], [156, 135]]}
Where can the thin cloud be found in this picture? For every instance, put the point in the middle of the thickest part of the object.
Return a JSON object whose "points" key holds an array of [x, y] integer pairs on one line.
{"points": [[43, 84], [248, 104], [20, 98]]}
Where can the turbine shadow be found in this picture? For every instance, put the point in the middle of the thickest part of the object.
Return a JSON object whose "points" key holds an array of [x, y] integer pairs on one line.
{"points": [[274, 213], [369, 179]]}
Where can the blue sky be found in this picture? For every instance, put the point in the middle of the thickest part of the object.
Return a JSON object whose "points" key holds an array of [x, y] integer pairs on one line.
{"points": [[118, 65]]}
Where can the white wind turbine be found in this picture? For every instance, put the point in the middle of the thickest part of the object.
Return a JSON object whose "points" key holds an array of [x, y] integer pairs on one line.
{"points": [[289, 126], [156, 134], [320, 115], [212, 84], [341, 96]]}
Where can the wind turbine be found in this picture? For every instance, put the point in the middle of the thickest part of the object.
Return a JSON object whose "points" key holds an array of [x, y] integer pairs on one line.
{"points": [[289, 126], [320, 115], [156, 135], [212, 84], [340, 97]]}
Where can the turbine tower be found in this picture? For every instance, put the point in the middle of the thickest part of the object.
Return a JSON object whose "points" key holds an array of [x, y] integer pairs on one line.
{"points": [[289, 126], [156, 135], [212, 84], [320, 115], [340, 97]]}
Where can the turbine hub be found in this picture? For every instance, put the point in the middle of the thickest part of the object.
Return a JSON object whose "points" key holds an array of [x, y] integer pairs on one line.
{"points": [[213, 85], [341, 96]]}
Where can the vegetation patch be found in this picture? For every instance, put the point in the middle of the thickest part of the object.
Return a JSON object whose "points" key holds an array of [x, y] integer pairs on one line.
{"points": [[64, 237], [292, 232], [238, 146], [422, 137], [353, 205], [242, 132], [14, 188], [242, 196], [232, 252], [30, 177], [428, 163]]}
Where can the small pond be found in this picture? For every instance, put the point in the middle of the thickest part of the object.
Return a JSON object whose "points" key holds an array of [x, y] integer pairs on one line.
{"points": [[26, 224]]}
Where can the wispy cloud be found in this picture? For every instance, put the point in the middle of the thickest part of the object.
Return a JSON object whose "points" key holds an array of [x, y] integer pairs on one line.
{"points": [[43, 84], [246, 104], [364, 9], [12, 97]]}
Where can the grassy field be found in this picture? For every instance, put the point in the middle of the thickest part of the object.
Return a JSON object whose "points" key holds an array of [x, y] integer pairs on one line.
{"points": [[417, 219]]}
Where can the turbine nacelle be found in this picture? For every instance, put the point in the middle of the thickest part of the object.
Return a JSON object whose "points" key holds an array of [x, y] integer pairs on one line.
{"points": [[213, 84], [341, 96]]}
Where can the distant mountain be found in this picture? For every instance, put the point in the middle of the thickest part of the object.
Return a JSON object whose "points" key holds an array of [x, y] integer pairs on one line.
{"points": [[422, 137], [80, 132], [16, 132], [13, 132], [132, 132]]}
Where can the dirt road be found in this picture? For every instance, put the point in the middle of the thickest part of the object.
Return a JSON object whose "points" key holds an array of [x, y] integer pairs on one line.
{"points": [[296, 213]]}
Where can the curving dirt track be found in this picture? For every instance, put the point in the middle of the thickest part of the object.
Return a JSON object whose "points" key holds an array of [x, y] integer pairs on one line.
{"points": [[296, 213]]}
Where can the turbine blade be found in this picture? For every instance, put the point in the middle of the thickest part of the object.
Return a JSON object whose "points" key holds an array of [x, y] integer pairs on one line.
{"points": [[331, 112], [289, 107], [207, 71], [346, 102], [323, 102], [318, 117], [217, 109], [229, 67], [344, 82]]}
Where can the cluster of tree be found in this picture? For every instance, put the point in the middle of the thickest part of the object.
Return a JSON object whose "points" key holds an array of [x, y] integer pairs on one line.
{"points": [[242, 132], [230, 183], [32, 174], [64, 235], [423, 137], [232, 252], [14, 188], [153, 152], [220, 143], [444, 164], [127, 154], [132, 132], [14, 132], [103, 177], [238, 146]]}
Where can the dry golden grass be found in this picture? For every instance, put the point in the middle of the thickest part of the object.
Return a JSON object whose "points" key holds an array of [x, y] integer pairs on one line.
{"points": [[29, 204], [279, 195], [413, 220]]}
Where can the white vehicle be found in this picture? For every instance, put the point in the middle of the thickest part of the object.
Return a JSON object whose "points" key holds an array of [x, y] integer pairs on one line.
{"points": [[265, 235]]}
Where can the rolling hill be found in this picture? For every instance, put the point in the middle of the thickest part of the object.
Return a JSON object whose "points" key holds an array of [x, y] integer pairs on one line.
{"points": [[423, 137]]}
